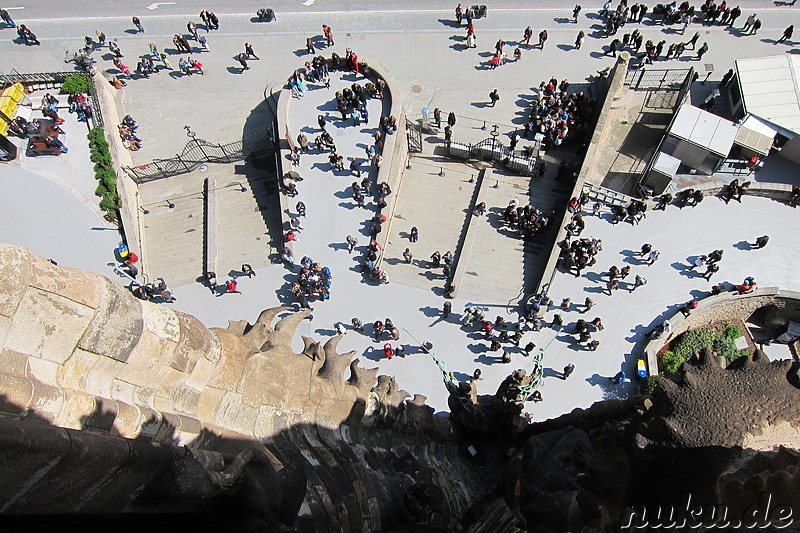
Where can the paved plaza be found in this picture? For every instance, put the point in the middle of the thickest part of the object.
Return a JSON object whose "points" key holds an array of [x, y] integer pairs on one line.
{"points": [[49, 204]]}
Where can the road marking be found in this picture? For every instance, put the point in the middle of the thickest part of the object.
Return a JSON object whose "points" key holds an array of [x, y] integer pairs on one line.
{"points": [[155, 5], [309, 2], [10, 8]]}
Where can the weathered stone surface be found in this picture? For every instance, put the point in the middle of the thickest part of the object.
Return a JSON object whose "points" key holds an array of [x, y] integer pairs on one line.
{"points": [[117, 324], [194, 343], [48, 325]]}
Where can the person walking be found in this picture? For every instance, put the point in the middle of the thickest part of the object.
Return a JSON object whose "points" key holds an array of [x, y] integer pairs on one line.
{"points": [[761, 241], [567, 371], [446, 309], [711, 269], [7, 18], [526, 36], [494, 97], [702, 50], [749, 23], [693, 40], [459, 14], [542, 39], [301, 209], [733, 15], [756, 26], [243, 61], [138, 24], [787, 34], [248, 49], [575, 12], [407, 256], [248, 270], [637, 282], [653, 257]]}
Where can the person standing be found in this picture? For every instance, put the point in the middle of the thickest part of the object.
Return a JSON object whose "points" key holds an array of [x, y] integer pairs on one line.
{"points": [[243, 61], [749, 23], [575, 12], [756, 26], [494, 97], [310, 46], [579, 40], [761, 241], [567, 371], [232, 287], [787, 34], [414, 235], [542, 38], [351, 243], [328, 32], [653, 257], [459, 14], [637, 282], [138, 24], [407, 256], [248, 270], [526, 36], [451, 119], [735, 12], [301, 209]]}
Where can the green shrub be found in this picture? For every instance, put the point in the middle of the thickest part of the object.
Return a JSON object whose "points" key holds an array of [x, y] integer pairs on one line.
{"points": [[691, 342], [74, 84], [732, 332], [104, 172], [649, 384], [670, 362]]}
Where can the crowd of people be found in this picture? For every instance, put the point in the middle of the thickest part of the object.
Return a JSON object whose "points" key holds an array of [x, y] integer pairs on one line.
{"points": [[528, 220], [313, 281], [558, 116], [127, 134]]}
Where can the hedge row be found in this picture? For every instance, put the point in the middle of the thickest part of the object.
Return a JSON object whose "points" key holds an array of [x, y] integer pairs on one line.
{"points": [[104, 172]]}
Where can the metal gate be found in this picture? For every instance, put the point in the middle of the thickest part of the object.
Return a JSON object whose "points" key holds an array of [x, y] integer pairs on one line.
{"points": [[663, 79], [414, 136]]}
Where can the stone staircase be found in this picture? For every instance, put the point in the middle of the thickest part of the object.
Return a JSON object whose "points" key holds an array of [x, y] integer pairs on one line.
{"points": [[241, 213], [221, 219], [174, 236]]}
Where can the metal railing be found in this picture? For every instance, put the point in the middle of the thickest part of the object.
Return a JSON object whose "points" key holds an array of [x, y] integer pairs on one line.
{"points": [[493, 150], [58, 78], [198, 152], [660, 79]]}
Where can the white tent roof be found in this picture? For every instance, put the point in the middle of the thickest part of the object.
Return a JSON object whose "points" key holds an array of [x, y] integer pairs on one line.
{"points": [[756, 134], [770, 89], [704, 129]]}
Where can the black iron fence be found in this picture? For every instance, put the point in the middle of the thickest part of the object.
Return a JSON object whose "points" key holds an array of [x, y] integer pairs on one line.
{"points": [[492, 149], [660, 79], [198, 152], [54, 80]]}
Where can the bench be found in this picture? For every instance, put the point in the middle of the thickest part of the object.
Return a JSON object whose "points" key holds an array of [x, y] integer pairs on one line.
{"points": [[41, 148]]}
